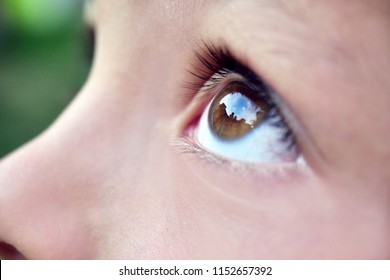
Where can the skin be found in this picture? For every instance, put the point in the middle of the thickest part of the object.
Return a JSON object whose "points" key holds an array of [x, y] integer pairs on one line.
{"points": [[110, 180]]}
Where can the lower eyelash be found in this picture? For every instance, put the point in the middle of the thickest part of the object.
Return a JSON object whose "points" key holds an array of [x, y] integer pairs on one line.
{"points": [[185, 145]]}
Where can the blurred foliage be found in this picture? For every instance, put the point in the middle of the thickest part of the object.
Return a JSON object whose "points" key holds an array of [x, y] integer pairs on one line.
{"points": [[43, 64]]}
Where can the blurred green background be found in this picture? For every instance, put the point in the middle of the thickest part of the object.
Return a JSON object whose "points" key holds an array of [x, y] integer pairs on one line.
{"points": [[43, 63]]}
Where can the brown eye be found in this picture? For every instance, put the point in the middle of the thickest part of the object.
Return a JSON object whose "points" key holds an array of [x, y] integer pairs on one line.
{"points": [[235, 111]]}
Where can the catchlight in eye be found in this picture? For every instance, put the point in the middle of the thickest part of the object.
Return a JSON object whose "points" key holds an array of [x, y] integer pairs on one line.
{"points": [[235, 111]]}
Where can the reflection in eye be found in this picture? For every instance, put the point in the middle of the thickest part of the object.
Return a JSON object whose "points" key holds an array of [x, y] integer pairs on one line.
{"points": [[243, 121], [240, 128], [235, 111]]}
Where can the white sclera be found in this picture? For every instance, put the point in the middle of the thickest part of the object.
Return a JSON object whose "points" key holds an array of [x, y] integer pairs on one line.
{"points": [[264, 143]]}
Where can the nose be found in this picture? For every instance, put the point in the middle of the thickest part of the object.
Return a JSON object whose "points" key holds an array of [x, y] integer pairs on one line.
{"points": [[47, 193], [72, 192], [40, 217]]}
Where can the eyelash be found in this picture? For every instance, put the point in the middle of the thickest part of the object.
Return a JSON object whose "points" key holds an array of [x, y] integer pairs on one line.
{"points": [[217, 64]]}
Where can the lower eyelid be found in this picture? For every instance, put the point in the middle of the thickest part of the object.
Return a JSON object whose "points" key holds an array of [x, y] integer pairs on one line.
{"points": [[186, 145], [242, 182]]}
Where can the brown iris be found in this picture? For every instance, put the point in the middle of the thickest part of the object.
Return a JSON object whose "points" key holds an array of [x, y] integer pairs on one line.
{"points": [[235, 111]]}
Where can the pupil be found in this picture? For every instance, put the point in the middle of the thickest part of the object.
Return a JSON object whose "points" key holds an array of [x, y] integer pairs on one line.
{"points": [[236, 111]]}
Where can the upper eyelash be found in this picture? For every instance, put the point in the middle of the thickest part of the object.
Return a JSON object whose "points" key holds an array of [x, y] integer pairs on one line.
{"points": [[216, 63]]}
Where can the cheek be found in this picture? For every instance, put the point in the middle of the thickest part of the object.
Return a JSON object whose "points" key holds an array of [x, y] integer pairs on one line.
{"points": [[260, 216]]}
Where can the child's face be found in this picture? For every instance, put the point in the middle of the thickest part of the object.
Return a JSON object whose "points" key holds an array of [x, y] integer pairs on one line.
{"points": [[133, 170]]}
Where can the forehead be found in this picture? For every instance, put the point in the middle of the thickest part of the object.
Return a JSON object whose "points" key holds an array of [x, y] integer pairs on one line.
{"points": [[178, 16], [299, 9]]}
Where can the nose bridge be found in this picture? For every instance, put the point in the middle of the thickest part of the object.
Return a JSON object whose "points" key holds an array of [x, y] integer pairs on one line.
{"points": [[105, 146], [52, 189]]}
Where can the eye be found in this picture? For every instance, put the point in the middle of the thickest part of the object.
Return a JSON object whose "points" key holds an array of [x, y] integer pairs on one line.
{"points": [[243, 121], [240, 124]]}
